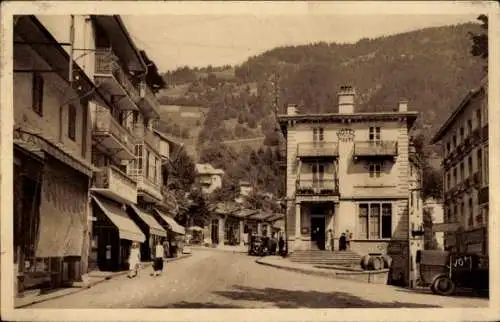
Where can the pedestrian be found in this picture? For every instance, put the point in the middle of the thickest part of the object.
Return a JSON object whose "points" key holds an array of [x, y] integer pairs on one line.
{"points": [[342, 242], [281, 245], [329, 241], [348, 236], [133, 260], [158, 260]]}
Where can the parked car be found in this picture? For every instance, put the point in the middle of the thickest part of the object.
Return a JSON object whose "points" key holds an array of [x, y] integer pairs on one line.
{"points": [[444, 271], [258, 246]]}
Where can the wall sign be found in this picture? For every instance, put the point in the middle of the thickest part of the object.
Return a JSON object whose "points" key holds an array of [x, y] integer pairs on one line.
{"points": [[345, 135]]}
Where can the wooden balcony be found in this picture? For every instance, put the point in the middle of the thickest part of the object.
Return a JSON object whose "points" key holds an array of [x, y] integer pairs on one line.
{"points": [[148, 190], [375, 149], [148, 101], [115, 184], [318, 150], [109, 134], [114, 79], [144, 135]]}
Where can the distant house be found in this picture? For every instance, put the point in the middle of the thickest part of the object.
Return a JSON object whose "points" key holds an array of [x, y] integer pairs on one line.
{"points": [[208, 177], [245, 190]]}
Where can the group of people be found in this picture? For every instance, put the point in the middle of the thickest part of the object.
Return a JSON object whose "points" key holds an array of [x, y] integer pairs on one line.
{"points": [[134, 259], [344, 240]]}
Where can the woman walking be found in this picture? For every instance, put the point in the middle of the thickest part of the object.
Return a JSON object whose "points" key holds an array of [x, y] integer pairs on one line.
{"points": [[158, 261], [133, 260]]}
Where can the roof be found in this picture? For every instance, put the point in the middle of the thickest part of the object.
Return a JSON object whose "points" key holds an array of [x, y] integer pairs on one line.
{"points": [[243, 213], [463, 104], [168, 137], [225, 208], [207, 168]]}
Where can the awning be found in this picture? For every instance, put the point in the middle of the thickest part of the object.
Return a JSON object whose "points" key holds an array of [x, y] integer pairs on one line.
{"points": [[173, 225], [154, 227], [126, 227]]}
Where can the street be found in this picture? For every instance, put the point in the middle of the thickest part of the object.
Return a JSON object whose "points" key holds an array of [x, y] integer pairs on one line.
{"points": [[221, 279]]}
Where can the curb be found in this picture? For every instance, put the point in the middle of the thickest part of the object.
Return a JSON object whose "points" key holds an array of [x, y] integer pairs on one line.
{"points": [[73, 290]]}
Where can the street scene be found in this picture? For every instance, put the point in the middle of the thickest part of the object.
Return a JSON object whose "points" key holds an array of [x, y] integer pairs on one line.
{"points": [[158, 165]]}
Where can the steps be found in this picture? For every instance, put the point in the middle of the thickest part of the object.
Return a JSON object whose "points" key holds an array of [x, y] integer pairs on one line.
{"points": [[322, 257]]}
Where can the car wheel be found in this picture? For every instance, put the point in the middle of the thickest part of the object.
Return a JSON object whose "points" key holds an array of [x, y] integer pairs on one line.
{"points": [[443, 285]]}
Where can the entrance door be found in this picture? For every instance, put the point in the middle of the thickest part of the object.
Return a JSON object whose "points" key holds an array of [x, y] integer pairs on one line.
{"points": [[215, 231], [318, 232]]}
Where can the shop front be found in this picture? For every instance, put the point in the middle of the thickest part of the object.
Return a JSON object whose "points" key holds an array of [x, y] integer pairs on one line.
{"points": [[175, 232], [153, 231], [113, 234]]}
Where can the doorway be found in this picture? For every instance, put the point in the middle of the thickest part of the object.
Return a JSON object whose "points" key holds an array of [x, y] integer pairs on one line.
{"points": [[318, 232]]}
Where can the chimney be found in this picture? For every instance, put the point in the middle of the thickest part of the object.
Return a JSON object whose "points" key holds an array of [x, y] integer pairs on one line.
{"points": [[346, 100], [403, 105], [291, 109]]}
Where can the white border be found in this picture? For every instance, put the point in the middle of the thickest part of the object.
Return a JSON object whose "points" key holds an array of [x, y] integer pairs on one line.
{"points": [[256, 8]]}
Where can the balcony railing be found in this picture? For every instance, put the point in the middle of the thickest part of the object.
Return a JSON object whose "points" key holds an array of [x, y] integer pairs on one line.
{"points": [[317, 187], [144, 185], [116, 184], [318, 149], [148, 100], [106, 124], [376, 148], [106, 64], [144, 134]]}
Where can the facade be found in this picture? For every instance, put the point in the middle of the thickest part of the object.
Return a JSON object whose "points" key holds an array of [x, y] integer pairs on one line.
{"points": [[436, 209], [125, 148], [52, 150], [464, 139], [350, 172], [208, 177]]}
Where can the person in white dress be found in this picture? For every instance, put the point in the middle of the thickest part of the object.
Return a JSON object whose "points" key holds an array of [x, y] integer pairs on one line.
{"points": [[158, 261], [133, 260]]}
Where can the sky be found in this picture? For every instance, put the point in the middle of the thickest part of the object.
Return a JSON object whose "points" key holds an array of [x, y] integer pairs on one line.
{"points": [[200, 40]]}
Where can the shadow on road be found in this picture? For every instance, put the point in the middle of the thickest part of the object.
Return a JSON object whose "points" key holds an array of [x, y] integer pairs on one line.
{"points": [[194, 305], [460, 293], [294, 299]]}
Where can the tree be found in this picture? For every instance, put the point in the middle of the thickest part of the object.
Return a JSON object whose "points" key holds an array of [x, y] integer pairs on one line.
{"points": [[432, 182], [480, 41], [179, 171]]}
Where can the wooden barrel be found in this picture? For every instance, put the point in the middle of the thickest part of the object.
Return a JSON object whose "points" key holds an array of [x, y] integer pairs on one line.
{"points": [[364, 262], [375, 263]]}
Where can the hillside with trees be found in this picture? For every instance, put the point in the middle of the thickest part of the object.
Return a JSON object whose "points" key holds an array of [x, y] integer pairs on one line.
{"points": [[433, 68]]}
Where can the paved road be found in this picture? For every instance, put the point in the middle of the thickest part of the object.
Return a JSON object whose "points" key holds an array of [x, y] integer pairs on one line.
{"points": [[219, 279]]}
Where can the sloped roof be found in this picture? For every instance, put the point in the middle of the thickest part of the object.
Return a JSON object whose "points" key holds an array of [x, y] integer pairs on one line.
{"points": [[207, 168]]}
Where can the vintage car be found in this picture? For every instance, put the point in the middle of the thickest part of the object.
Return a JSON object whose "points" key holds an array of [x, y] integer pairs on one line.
{"points": [[444, 271], [258, 246]]}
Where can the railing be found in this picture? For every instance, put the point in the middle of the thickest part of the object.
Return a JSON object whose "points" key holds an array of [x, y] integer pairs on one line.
{"points": [[118, 182], [375, 148], [149, 98], [106, 123], [318, 149], [106, 63], [146, 185], [142, 133], [317, 187]]}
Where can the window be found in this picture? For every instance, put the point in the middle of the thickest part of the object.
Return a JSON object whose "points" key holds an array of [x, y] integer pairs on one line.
{"points": [[462, 172], [375, 170], [448, 148], [455, 213], [461, 135], [479, 160], [147, 164], [469, 162], [471, 214], [448, 181], [318, 134], [363, 221], [454, 141], [137, 163], [375, 220], [374, 135], [72, 122], [469, 126], [486, 165], [478, 118], [455, 176], [38, 87]]}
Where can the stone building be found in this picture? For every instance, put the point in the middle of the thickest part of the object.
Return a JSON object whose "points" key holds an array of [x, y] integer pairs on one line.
{"points": [[350, 172]]}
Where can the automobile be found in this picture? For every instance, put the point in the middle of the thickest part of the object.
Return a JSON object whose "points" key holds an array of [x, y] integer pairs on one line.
{"points": [[444, 271], [258, 246]]}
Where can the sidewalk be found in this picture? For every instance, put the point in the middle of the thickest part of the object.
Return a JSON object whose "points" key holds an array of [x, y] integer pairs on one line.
{"points": [[375, 277], [89, 280]]}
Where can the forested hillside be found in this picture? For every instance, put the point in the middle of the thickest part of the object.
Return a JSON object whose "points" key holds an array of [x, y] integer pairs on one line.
{"points": [[433, 68]]}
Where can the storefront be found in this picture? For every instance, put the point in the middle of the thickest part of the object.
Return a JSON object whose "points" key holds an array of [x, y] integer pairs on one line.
{"points": [[153, 231], [175, 232], [113, 234]]}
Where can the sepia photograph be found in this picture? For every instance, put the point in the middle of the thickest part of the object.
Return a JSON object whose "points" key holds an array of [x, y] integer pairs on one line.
{"points": [[223, 157]]}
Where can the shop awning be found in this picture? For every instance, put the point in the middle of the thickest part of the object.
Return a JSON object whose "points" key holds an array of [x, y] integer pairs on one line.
{"points": [[126, 227], [154, 227], [173, 225]]}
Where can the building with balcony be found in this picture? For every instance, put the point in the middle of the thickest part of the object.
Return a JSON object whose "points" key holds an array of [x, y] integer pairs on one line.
{"points": [[125, 148], [464, 140], [349, 172], [208, 177], [52, 149]]}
